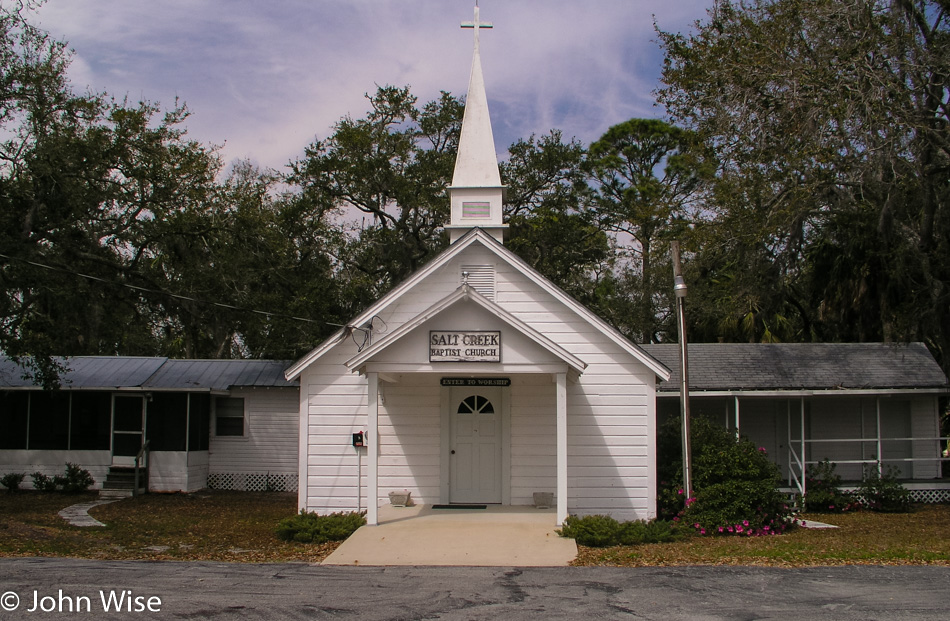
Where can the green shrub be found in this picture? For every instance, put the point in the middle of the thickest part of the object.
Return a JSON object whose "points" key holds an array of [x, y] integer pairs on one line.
{"points": [[307, 527], [596, 531], [735, 485], [12, 481], [602, 531], [74, 480], [638, 532], [43, 483], [883, 492], [823, 493]]}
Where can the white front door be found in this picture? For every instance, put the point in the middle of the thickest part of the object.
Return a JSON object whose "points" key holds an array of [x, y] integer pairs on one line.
{"points": [[475, 452]]}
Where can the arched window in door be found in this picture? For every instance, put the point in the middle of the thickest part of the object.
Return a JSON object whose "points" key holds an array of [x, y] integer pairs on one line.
{"points": [[476, 404]]}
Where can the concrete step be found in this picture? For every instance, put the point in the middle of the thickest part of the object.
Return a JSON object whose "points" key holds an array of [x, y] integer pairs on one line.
{"points": [[123, 484], [120, 481]]}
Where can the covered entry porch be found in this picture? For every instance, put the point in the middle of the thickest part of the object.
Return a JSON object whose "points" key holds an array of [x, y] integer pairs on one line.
{"points": [[466, 403], [490, 440]]}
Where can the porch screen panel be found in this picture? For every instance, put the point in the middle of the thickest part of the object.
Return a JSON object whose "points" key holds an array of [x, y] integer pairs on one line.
{"points": [[49, 421], [91, 420], [13, 419], [167, 427], [895, 423], [199, 422]]}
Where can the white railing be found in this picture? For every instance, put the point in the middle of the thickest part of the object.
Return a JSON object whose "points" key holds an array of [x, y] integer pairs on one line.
{"points": [[798, 464]]}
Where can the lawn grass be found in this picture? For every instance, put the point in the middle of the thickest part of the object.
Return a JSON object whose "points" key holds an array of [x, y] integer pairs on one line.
{"points": [[864, 538], [208, 525], [239, 527]]}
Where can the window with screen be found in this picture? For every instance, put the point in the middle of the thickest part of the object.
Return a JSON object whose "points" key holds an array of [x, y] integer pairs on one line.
{"points": [[199, 425], [49, 421], [14, 415], [91, 425], [228, 416], [168, 421]]}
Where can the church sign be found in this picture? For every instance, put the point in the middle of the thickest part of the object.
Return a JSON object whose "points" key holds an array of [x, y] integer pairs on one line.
{"points": [[476, 381], [465, 346]]}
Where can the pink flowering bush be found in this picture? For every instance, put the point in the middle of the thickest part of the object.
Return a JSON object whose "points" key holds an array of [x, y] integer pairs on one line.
{"points": [[734, 484]]}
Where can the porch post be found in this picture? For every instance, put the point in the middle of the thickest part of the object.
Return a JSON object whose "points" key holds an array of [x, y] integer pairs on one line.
{"points": [[738, 434], [804, 448], [372, 450], [880, 445], [561, 447]]}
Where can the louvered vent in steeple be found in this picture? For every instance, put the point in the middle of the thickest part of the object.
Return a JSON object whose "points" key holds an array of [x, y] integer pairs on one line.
{"points": [[481, 278]]}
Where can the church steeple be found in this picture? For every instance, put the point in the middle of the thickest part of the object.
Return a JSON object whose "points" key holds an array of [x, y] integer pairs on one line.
{"points": [[476, 192]]}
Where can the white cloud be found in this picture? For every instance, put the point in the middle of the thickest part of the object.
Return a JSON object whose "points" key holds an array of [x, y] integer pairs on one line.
{"points": [[268, 77]]}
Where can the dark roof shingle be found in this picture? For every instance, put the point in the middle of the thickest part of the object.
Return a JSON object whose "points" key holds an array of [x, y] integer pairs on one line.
{"points": [[801, 366]]}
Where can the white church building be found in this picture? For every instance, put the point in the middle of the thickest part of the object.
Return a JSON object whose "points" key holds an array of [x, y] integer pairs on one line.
{"points": [[486, 383]]}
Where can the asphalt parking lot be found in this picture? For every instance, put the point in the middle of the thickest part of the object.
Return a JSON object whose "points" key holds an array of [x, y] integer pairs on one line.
{"points": [[49, 588]]}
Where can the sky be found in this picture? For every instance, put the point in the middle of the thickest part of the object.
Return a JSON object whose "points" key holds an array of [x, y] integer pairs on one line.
{"points": [[265, 79]]}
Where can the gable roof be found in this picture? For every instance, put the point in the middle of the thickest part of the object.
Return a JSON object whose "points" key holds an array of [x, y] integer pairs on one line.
{"points": [[155, 373], [465, 292], [478, 236], [801, 366]]}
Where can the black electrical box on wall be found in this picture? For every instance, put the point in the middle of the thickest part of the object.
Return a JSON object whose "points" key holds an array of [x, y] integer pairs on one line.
{"points": [[358, 439]]}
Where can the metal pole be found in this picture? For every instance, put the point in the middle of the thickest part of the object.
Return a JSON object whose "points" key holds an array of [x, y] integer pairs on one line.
{"points": [[679, 289]]}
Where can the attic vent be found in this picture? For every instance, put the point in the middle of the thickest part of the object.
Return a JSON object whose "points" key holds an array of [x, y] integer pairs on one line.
{"points": [[481, 278], [476, 211]]}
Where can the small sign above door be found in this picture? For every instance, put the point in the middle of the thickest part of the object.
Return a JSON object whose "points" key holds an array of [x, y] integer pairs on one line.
{"points": [[465, 346], [476, 381]]}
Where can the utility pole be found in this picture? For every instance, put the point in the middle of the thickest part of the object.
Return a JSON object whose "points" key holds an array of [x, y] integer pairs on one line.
{"points": [[679, 288]]}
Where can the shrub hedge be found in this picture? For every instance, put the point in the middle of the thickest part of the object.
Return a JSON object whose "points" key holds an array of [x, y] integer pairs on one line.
{"points": [[308, 527]]}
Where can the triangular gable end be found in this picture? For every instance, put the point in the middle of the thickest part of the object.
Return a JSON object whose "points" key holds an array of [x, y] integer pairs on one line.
{"points": [[477, 236], [467, 293]]}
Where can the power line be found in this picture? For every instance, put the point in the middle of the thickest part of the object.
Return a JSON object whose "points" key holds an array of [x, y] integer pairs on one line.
{"points": [[165, 293]]}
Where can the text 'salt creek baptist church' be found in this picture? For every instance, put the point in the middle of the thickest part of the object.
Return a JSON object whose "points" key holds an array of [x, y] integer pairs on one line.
{"points": [[474, 381]]}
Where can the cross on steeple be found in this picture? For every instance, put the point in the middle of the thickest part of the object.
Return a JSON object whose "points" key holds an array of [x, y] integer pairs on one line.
{"points": [[476, 24], [476, 193]]}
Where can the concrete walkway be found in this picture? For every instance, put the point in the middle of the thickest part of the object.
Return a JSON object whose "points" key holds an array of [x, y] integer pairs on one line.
{"points": [[78, 515], [493, 537]]}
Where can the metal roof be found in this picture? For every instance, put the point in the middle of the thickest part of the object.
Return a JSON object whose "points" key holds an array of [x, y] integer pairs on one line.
{"points": [[801, 366], [130, 372], [219, 374]]}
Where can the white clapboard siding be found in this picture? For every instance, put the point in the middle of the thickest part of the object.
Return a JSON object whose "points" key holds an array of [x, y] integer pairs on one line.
{"points": [[533, 439], [409, 435], [611, 411], [177, 471], [333, 401], [271, 435], [53, 463]]}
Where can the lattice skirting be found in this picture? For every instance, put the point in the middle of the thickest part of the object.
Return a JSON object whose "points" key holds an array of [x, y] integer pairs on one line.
{"points": [[930, 496], [253, 482], [925, 496]]}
